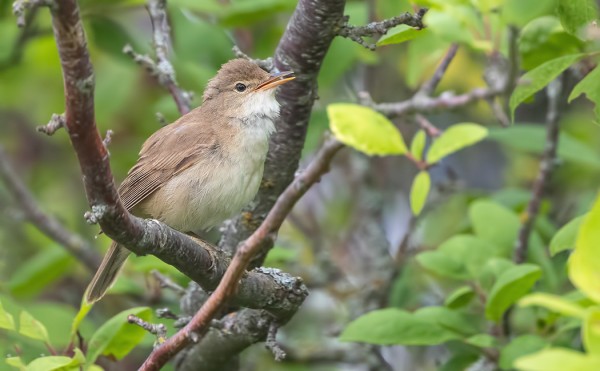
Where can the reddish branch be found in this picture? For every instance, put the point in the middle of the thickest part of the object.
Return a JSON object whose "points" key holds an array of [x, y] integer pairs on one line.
{"points": [[229, 284], [49, 225], [547, 164]]}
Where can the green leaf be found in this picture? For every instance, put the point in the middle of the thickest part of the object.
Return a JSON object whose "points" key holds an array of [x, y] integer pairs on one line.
{"points": [[510, 286], [418, 144], [30, 327], [40, 271], [6, 319], [395, 326], [117, 337], [442, 265], [455, 138], [558, 359], [554, 303], [459, 323], [419, 191], [84, 308], [544, 39], [16, 362], [591, 331], [576, 13], [365, 129], [530, 138], [539, 77], [460, 297], [482, 341], [518, 347], [57, 363], [519, 12], [460, 257], [565, 238], [400, 34], [590, 87], [584, 262], [496, 224]]}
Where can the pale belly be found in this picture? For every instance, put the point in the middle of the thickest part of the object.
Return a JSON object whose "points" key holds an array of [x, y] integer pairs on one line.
{"points": [[197, 199]]}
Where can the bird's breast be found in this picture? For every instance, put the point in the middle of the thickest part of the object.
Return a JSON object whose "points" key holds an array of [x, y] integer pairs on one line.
{"points": [[215, 189]]}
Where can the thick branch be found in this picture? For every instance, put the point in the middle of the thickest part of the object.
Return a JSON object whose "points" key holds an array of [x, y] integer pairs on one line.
{"points": [[229, 284], [49, 225], [356, 33], [547, 164]]}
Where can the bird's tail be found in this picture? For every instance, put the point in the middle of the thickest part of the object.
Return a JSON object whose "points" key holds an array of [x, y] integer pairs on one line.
{"points": [[107, 273]]}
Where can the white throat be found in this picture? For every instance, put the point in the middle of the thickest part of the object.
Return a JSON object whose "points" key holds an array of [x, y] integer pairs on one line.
{"points": [[260, 110]]}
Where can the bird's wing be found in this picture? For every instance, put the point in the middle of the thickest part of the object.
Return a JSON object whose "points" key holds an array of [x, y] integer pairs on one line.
{"points": [[182, 146]]}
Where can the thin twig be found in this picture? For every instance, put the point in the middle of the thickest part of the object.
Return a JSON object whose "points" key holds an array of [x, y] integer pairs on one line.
{"points": [[158, 329], [49, 225], [429, 86], [56, 122], [162, 68], [427, 126], [356, 33], [272, 344], [547, 164], [228, 285], [265, 64], [20, 8], [166, 282]]}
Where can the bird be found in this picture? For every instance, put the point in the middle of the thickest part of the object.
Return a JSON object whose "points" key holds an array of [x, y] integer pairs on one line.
{"points": [[206, 166]]}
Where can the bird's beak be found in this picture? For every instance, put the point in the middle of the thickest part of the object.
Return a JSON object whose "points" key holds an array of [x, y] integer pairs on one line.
{"points": [[275, 79]]}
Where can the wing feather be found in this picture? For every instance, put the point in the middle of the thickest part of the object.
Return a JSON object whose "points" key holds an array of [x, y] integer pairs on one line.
{"points": [[184, 144]]}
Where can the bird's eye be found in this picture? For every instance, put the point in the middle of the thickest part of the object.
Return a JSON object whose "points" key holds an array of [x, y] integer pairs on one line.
{"points": [[240, 87]]}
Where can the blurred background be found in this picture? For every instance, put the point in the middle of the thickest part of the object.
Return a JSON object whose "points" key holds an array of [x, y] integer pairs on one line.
{"points": [[352, 238]]}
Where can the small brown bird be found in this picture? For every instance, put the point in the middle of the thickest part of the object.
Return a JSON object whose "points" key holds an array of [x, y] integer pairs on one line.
{"points": [[207, 165]]}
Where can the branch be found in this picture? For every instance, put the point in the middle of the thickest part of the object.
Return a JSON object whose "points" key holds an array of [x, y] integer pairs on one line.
{"points": [[547, 164], [446, 101], [56, 122], [162, 69], [20, 8], [429, 87], [245, 252], [159, 329], [356, 33], [265, 64], [49, 225]]}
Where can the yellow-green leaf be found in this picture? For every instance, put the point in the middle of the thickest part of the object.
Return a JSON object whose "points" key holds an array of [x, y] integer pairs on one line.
{"points": [[455, 138], [400, 34], [591, 331], [30, 327], [16, 362], [419, 191], [418, 144], [565, 238], [558, 359], [6, 319], [584, 263], [365, 130], [554, 303], [83, 311]]}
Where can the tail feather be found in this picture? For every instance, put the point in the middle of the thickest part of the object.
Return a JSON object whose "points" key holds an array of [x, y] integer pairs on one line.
{"points": [[107, 273]]}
